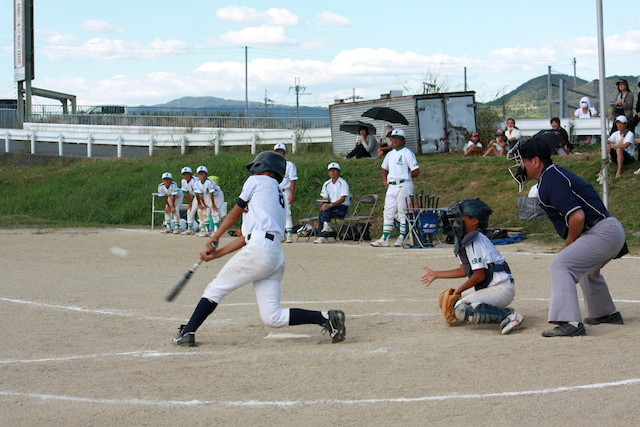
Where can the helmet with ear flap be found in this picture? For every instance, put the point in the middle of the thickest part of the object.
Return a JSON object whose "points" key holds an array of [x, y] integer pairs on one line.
{"points": [[268, 161]]}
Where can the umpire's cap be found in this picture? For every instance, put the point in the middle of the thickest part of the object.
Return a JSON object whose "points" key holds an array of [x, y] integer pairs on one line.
{"points": [[268, 161]]}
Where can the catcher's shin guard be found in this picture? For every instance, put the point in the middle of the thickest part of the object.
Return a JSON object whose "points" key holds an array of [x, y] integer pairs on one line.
{"points": [[485, 313]]}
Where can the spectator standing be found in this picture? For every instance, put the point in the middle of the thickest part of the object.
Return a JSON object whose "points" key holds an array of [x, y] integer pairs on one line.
{"points": [[623, 103], [474, 146], [633, 123], [337, 199], [399, 167]]}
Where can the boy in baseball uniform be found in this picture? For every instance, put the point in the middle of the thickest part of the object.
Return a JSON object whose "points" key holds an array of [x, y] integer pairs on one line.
{"points": [[288, 187], [399, 167], [219, 209], [489, 288], [167, 191], [260, 258], [204, 188], [188, 189]]}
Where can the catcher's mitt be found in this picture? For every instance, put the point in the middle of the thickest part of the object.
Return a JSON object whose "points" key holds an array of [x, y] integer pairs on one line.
{"points": [[447, 300]]}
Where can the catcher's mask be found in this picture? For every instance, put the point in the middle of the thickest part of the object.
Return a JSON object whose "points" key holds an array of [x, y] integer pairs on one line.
{"points": [[269, 161], [534, 147], [474, 208]]}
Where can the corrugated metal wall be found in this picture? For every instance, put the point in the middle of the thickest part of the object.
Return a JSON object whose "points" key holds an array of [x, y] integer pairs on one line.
{"points": [[343, 142]]}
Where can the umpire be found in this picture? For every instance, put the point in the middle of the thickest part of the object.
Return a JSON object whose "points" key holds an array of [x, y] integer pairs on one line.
{"points": [[592, 238]]}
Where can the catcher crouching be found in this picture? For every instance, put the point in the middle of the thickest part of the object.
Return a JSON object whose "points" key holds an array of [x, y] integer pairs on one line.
{"points": [[489, 289]]}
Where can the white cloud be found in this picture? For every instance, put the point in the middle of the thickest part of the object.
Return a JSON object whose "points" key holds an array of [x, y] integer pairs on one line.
{"points": [[255, 36], [248, 15], [100, 26], [331, 19]]}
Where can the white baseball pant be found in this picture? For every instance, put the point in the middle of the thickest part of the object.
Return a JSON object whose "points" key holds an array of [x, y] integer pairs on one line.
{"points": [[498, 295], [289, 221], [262, 262], [395, 206]]}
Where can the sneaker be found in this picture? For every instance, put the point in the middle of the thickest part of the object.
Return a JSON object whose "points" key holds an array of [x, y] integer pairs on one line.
{"points": [[637, 172], [615, 318], [335, 326], [399, 242], [326, 228], [188, 233], [185, 340], [165, 230], [289, 238], [380, 243], [511, 323], [176, 230], [565, 330], [203, 233], [321, 240]]}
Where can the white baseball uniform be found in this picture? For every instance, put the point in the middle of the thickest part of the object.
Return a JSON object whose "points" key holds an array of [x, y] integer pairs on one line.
{"points": [[399, 163], [205, 189], [220, 211], [291, 174], [189, 188], [164, 192]]}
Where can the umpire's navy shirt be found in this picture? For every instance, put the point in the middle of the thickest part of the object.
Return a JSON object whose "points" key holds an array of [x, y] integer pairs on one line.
{"points": [[561, 192]]}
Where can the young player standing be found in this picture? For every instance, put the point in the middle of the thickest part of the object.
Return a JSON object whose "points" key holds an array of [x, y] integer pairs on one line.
{"points": [[399, 167], [188, 189], [219, 209], [260, 258], [288, 187], [204, 188], [167, 191], [489, 288]]}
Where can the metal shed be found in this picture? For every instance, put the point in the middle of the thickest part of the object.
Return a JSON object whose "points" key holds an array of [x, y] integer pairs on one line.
{"points": [[439, 122]]}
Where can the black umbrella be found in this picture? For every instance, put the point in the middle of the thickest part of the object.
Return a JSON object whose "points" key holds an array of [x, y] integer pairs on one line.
{"points": [[387, 114], [353, 126]]}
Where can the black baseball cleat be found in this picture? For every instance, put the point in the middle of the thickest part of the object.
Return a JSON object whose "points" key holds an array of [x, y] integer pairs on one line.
{"points": [[185, 340], [565, 330], [615, 318], [335, 326]]}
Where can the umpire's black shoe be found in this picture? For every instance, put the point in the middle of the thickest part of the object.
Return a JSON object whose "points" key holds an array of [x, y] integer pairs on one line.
{"points": [[335, 326], [615, 318], [185, 340], [565, 330]]}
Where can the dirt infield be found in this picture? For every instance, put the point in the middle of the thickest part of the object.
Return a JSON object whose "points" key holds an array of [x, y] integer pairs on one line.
{"points": [[88, 341]]}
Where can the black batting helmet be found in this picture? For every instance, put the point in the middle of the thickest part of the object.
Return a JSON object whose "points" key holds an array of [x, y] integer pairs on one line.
{"points": [[268, 161]]}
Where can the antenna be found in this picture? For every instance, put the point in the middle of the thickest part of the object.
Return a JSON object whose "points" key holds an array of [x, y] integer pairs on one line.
{"points": [[354, 97]]}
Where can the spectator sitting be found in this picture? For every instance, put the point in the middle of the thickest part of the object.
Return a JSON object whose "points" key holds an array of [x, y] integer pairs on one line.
{"points": [[621, 145], [623, 103], [584, 112], [498, 146], [385, 142], [563, 148], [365, 144], [335, 193], [512, 133], [474, 146]]}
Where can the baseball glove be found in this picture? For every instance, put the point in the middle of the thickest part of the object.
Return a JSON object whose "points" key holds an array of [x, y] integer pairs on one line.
{"points": [[447, 301]]}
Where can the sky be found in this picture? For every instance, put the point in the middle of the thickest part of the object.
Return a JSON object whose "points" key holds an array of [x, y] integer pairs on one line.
{"points": [[146, 52]]}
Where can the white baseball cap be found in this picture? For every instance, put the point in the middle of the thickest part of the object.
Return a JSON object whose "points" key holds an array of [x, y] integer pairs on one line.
{"points": [[186, 169], [167, 175], [280, 146], [202, 168], [621, 119], [333, 165], [398, 133]]}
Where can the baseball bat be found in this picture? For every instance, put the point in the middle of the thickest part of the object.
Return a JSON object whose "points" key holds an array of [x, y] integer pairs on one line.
{"points": [[177, 287]]}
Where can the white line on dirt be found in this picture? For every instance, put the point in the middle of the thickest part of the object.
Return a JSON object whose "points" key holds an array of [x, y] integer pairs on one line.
{"points": [[290, 403]]}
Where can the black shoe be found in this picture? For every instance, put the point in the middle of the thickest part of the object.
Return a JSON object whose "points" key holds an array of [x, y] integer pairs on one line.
{"points": [[185, 340], [335, 326], [565, 330], [615, 318]]}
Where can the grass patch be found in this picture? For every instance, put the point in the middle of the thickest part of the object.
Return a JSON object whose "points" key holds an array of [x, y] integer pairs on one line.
{"points": [[42, 191]]}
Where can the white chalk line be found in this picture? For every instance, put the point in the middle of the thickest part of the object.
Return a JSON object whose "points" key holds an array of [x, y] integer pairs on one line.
{"points": [[290, 403]]}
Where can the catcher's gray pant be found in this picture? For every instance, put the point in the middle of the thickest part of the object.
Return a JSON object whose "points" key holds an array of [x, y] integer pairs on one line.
{"points": [[262, 262], [581, 262]]}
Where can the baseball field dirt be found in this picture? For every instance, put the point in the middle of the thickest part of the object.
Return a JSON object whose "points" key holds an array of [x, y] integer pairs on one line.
{"points": [[87, 341]]}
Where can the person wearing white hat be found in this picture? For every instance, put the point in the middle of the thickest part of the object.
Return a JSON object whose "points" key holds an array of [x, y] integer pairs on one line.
{"points": [[621, 145], [288, 187], [337, 199], [399, 167], [167, 191], [204, 190]]}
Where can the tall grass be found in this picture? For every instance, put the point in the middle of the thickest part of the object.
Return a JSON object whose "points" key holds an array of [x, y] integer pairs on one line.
{"points": [[38, 191]]}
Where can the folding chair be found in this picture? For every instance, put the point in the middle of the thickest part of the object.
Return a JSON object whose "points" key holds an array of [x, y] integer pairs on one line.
{"points": [[311, 221], [348, 223], [422, 221]]}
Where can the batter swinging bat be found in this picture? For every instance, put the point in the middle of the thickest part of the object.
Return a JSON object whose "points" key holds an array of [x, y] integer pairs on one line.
{"points": [[177, 287]]}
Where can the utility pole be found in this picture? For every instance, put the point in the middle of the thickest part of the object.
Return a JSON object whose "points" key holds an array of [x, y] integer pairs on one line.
{"points": [[267, 101], [465, 79], [246, 82], [299, 91], [354, 97], [574, 73]]}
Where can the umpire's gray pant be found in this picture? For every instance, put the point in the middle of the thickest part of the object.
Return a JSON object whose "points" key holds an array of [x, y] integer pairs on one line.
{"points": [[580, 262]]}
